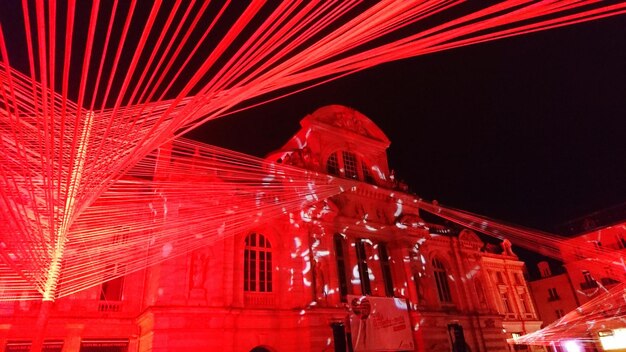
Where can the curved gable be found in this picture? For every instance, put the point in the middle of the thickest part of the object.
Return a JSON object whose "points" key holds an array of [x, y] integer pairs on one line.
{"points": [[470, 236], [349, 119]]}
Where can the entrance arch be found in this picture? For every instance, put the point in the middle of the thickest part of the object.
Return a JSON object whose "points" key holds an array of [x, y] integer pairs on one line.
{"points": [[260, 349]]}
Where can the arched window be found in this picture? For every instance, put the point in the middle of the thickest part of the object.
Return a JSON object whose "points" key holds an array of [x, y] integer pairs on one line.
{"points": [[349, 165], [259, 349], [332, 165], [257, 268], [441, 277]]}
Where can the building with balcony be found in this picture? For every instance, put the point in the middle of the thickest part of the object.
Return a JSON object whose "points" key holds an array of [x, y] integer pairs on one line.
{"points": [[592, 267], [360, 271], [591, 277], [554, 294]]}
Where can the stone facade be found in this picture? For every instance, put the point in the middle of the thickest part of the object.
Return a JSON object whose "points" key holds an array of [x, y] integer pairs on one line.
{"points": [[283, 285], [554, 294], [585, 278]]}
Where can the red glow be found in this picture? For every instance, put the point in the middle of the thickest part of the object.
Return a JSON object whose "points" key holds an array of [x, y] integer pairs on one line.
{"points": [[74, 174]]}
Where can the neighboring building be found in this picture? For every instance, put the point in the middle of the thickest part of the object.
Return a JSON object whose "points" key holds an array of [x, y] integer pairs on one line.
{"points": [[296, 283], [590, 271], [554, 294], [510, 290], [582, 256]]}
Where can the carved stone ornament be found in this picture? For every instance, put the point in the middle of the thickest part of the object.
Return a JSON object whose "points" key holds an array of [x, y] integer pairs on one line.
{"points": [[349, 119]]}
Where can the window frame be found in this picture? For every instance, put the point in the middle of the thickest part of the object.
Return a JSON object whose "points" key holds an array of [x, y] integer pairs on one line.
{"points": [[339, 244], [337, 165], [553, 295], [385, 266], [506, 302], [559, 313], [440, 272], [257, 264], [364, 277], [525, 304], [112, 290]]}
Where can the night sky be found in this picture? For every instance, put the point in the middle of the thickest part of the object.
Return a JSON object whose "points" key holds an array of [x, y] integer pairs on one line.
{"points": [[528, 129]]}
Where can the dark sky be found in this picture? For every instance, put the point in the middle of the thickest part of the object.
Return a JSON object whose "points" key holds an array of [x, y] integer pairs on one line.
{"points": [[527, 129]]}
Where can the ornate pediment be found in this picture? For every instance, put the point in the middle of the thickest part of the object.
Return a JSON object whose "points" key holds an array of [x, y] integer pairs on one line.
{"points": [[469, 238], [410, 221], [348, 119]]}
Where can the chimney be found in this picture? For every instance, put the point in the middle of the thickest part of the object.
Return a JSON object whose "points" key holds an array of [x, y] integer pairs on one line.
{"points": [[544, 269]]}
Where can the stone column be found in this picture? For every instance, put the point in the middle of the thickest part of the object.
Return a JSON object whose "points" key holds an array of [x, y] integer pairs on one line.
{"points": [[72, 339], [4, 332]]}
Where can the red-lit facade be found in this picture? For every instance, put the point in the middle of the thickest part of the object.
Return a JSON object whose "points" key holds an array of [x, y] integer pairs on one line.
{"points": [[554, 294], [288, 283], [589, 283]]}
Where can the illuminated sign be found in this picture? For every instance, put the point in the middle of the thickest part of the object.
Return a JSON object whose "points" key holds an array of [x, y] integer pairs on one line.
{"points": [[613, 340]]}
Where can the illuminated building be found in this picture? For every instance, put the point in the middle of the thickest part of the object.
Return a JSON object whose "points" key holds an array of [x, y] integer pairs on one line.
{"points": [[554, 294], [588, 277], [293, 282], [589, 283]]}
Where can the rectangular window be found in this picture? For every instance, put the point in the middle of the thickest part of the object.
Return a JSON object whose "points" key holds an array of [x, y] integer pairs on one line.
{"points": [[553, 295], [341, 266], [332, 165], [262, 271], [524, 300], [111, 290], [24, 346], [386, 269], [506, 303], [364, 277], [339, 337], [367, 175], [268, 271], [257, 264], [499, 277], [249, 270], [104, 345], [441, 279], [349, 164], [589, 283], [253, 270], [559, 313]]}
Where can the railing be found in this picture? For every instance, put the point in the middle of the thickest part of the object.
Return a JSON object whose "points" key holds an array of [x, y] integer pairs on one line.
{"points": [[606, 281], [554, 298], [110, 306], [259, 299], [588, 285]]}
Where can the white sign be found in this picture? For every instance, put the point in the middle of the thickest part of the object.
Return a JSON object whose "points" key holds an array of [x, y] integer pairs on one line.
{"points": [[380, 324]]}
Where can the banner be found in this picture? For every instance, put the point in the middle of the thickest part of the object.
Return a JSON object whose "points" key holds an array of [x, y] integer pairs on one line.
{"points": [[380, 324]]}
